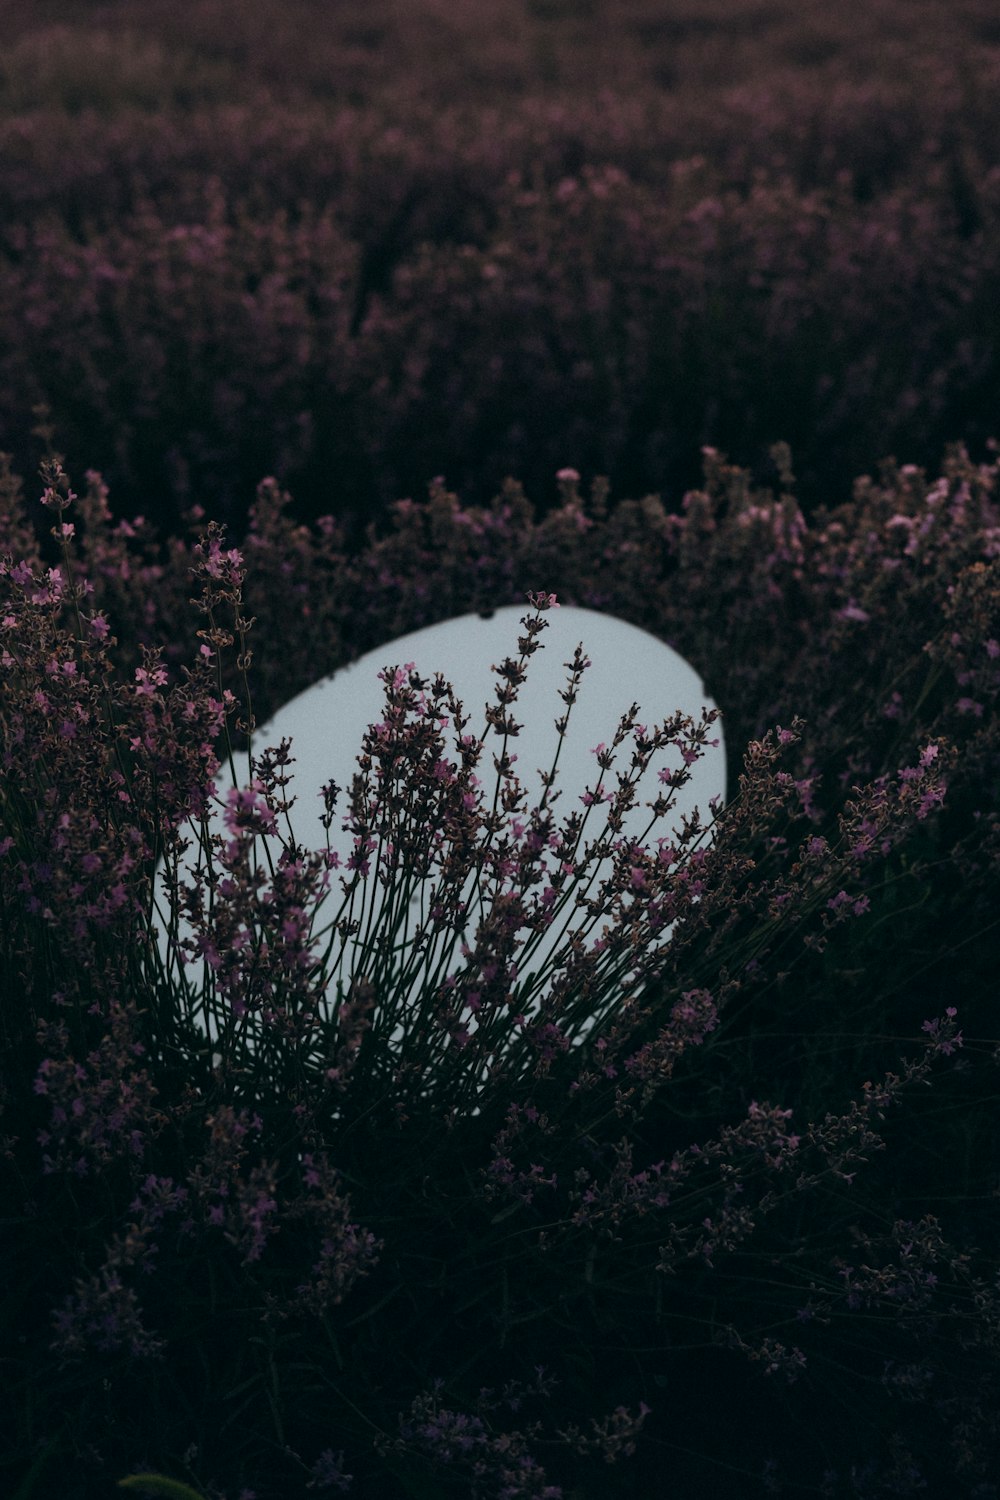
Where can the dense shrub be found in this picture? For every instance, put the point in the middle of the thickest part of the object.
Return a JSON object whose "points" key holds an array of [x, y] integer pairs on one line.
{"points": [[359, 284], [729, 1225]]}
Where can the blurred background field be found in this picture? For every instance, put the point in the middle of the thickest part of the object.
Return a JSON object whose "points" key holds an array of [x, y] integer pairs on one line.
{"points": [[358, 248]]}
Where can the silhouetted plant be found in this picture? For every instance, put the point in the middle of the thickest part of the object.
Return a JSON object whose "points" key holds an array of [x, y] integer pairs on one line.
{"points": [[271, 1234]]}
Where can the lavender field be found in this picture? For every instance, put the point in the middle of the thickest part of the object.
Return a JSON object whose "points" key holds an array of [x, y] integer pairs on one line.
{"points": [[322, 323]]}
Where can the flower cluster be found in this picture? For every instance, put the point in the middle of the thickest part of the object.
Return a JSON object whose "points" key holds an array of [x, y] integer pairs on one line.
{"points": [[494, 1465], [504, 1078]]}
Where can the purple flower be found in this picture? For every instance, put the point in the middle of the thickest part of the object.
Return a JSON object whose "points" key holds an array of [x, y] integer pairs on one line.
{"points": [[328, 1473]]}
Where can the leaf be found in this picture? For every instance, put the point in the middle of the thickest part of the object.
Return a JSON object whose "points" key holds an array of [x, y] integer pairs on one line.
{"points": [[159, 1484]]}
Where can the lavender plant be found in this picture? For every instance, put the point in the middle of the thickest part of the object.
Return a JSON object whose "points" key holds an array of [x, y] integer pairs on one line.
{"points": [[357, 281], [442, 871], [290, 1257]]}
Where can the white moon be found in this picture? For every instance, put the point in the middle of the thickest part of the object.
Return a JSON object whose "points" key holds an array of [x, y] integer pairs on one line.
{"points": [[327, 722]]}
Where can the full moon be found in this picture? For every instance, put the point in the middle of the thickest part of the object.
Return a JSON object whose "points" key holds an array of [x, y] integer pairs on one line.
{"points": [[327, 723]]}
